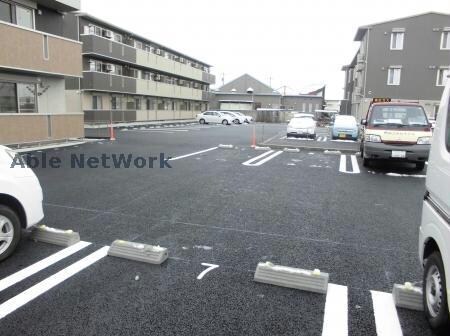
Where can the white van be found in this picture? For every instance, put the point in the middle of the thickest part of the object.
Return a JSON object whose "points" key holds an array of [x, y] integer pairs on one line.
{"points": [[434, 236]]}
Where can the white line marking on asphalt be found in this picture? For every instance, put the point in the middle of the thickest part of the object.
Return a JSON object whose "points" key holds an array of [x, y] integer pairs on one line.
{"points": [[266, 159], [335, 321], [210, 268], [40, 265], [31, 293], [343, 165], [192, 154], [386, 317], [355, 165], [161, 131]]}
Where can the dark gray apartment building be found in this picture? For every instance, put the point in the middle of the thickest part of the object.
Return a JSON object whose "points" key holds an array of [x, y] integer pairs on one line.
{"points": [[37, 55], [405, 59], [129, 78], [247, 93]]}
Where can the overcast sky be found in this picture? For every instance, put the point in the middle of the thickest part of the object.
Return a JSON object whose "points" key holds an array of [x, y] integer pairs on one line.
{"points": [[298, 44]]}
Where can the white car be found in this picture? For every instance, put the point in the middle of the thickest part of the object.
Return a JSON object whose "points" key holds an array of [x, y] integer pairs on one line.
{"points": [[302, 127], [303, 115], [238, 119], [434, 233], [248, 119], [214, 117], [20, 201]]}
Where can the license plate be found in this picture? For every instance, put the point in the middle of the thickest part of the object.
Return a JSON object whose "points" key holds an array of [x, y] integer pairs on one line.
{"points": [[342, 135], [399, 154]]}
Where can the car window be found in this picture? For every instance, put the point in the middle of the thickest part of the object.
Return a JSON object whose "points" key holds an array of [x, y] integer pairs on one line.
{"points": [[398, 115], [207, 113]]}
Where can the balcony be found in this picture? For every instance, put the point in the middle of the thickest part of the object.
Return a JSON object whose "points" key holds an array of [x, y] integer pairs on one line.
{"points": [[107, 82], [96, 45], [150, 88], [24, 49], [153, 61]]}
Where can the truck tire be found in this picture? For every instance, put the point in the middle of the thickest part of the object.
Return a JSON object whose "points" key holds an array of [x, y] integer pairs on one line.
{"points": [[435, 295]]}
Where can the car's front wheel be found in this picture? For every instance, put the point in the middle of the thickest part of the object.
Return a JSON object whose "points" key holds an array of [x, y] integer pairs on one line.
{"points": [[435, 294], [9, 231]]}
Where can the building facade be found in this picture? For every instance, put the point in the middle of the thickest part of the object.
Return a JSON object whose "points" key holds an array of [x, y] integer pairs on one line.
{"points": [[246, 93], [129, 78], [37, 54], [405, 59]]}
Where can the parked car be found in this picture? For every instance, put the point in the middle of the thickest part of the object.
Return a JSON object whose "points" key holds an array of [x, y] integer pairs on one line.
{"points": [[396, 131], [20, 201], [345, 127], [214, 117], [302, 127], [248, 119], [237, 119], [434, 232]]}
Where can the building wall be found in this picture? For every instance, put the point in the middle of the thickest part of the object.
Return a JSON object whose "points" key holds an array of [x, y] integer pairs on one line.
{"points": [[421, 50]]}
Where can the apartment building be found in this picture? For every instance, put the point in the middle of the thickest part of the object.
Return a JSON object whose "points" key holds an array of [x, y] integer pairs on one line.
{"points": [[247, 93], [37, 54], [129, 78], [406, 59]]}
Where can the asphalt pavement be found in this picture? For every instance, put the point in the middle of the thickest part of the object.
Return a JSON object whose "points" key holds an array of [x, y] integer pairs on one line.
{"points": [[314, 209]]}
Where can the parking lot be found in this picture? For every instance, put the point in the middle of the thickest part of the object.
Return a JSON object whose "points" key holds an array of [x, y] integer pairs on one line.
{"points": [[226, 210]]}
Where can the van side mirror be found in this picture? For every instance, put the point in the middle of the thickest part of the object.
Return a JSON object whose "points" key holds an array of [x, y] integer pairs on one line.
{"points": [[364, 122]]}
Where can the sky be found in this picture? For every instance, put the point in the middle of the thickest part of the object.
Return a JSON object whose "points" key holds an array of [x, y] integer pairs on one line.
{"points": [[298, 44]]}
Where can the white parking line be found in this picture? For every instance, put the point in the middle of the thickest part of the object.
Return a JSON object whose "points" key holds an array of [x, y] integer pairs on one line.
{"points": [[343, 165], [40, 288], [386, 317], [335, 321], [40, 265], [192, 154], [267, 158], [322, 138]]}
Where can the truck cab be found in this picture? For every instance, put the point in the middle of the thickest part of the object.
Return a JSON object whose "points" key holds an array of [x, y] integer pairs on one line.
{"points": [[396, 132]]}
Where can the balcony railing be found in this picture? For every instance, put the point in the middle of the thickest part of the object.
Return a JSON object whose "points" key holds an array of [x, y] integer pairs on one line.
{"points": [[35, 51], [100, 46]]}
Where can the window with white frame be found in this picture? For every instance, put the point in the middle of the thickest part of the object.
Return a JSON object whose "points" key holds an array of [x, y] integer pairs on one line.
{"points": [[97, 103], [394, 75], [445, 39], [442, 76], [397, 38]]}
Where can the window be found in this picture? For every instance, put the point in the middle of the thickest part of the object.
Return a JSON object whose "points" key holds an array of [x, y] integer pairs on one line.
{"points": [[26, 96], [46, 51], [442, 76], [8, 98], [24, 17], [116, 103], [445, 39], [394, 75], [397, 40], [137, 103], [97, 103], [5, 12], [149, 104]]}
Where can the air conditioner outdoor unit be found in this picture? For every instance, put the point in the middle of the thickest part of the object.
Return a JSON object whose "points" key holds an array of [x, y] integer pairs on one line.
{"points": [[109, 67], [181, 82], [196, 85], [158, 51], [107, 33], [158, 77]]}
